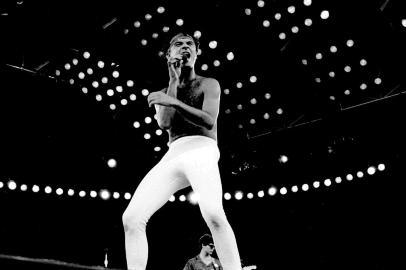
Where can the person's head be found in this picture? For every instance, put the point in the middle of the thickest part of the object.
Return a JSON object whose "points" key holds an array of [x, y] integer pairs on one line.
{"points": [[183, 44], [206, 243]]}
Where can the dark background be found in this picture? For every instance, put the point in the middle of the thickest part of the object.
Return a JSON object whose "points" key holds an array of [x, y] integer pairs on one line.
{"points": [[53, 134]]}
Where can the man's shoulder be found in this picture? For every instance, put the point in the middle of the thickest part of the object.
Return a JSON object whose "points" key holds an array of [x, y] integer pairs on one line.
{"points": [[210, 83], [207, 80]]}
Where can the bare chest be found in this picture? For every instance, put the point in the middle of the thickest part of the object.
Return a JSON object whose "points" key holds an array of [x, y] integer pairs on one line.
{"points": [[191, 94]]}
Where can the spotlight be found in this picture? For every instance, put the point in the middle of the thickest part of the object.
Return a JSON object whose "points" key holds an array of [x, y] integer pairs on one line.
{"points": [[82, 193], [193, 198], [127, 196], [227, 196], [93, 194], [272, 191], [35, 188], [381, 167], [116, 74], [110, 92], [197, 34], [283, 190], [124, 102], [350, 43], [371, 170], [137, 24], [145, 92], [172, 198], [261, 3], [130, 83], [305, 187], [59, 191], [48, 189], [282, 36], [100, 64], [112, 163], [116, 195], [179, 22], [182, 198], [278, 16], [12, 185], [161, 10], [291, 9], [307, 2], [261, 193], [213, 44], [136, 124], [71, 192], [283, 159], [104, 194], [86, 55], [316, 184], [325, 14], [230, 56], [308, 22], [238, 195]]}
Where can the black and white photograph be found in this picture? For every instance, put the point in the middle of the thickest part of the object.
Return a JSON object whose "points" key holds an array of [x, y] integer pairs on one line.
{"points": [[202, 135]]}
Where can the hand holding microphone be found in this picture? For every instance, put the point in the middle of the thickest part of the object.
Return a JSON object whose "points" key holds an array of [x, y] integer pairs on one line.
{"points": [[175, 67]]}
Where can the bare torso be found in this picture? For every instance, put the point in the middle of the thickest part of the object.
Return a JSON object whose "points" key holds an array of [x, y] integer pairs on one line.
{"points": [[192, 95]]}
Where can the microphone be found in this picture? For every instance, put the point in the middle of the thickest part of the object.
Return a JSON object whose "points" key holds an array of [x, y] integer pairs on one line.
{"points": [[184, 58]]}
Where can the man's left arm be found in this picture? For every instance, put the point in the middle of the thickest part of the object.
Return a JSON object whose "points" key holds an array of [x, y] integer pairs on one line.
{"points": [[207, 116]]}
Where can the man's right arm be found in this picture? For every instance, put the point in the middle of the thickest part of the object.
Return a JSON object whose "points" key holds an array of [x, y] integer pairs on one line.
{"points": [[165, 114]]}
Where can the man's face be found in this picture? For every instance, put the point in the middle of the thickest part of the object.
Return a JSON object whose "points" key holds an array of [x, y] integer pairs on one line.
{"points": [[181, 46], [209, 248]]}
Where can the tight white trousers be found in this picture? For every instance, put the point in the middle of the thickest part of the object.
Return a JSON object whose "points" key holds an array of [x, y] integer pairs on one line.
{"points": [[190, 160]]}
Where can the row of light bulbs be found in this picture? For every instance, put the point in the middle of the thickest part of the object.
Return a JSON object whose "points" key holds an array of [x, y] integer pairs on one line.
{"points": [[193, 197]]}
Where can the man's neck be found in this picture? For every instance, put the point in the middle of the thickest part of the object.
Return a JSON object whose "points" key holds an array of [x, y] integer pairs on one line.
{"points": [[188, 74], [204, 255]]}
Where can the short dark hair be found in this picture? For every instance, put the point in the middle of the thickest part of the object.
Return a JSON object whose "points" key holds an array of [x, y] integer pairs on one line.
{"points": [[205, 240], [182, 34]]}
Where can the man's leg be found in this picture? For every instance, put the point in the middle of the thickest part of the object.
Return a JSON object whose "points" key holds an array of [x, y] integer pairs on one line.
{"points": [[152, 193], [203, 174]]}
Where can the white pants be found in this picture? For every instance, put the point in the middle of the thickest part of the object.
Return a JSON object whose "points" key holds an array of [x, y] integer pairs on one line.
{"points": [[190, 160]]}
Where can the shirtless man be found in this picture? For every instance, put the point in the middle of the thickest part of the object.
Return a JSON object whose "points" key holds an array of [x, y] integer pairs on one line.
{"points": [[188, 109]]}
